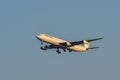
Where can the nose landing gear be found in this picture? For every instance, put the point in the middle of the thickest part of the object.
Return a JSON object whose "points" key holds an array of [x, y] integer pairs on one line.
{"points": [[41, 42]]}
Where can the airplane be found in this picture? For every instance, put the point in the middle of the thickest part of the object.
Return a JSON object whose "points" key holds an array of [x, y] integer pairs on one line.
{"points": [[57, 43]]}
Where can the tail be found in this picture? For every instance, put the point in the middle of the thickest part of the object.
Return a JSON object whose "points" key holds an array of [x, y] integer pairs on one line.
{"points": [[86, 43]]}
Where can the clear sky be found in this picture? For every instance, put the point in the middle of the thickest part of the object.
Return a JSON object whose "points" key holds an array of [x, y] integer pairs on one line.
{"points": [[22, 20]]}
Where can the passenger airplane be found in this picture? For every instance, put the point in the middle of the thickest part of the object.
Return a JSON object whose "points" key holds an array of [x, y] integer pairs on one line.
{"points": [[56, 43]]}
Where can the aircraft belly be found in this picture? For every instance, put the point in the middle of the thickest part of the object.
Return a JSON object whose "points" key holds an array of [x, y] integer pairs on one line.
{"points": [[78, 48]]}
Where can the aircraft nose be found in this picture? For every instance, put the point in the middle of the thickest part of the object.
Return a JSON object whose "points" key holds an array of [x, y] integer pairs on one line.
{"points": [[37, 36]]}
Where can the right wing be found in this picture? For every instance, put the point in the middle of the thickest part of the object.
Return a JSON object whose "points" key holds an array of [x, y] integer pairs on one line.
{"points": [[79, 42], [69, 44]]}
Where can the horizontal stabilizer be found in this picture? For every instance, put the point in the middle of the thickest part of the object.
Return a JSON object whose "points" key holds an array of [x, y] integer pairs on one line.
{"points": [[93, 48]]}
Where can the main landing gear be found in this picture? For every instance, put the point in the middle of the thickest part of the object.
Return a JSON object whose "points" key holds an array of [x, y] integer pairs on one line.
{"points": [[44, 48], [58, 51]]}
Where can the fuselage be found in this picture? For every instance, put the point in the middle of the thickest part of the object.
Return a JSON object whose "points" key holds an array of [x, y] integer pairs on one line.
{"points": [[56, 41]]}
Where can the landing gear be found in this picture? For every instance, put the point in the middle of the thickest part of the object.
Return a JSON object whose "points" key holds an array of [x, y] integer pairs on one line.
{"points": [[41, 42], [44, 48], [70, 50], [64, 50], [58, 51], [41, 48]]}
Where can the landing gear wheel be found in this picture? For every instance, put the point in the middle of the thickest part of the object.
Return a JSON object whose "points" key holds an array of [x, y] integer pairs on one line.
{"points": [[41, 48], [58, 51], [46, 47], [70, 50], [41, 43], [64, 50]]}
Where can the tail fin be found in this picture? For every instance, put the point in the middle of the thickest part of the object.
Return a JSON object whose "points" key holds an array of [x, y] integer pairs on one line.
{"points": [[86, 43]]}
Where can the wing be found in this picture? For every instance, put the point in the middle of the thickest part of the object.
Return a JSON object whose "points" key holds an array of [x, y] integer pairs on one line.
{"points": [[69, 44]]}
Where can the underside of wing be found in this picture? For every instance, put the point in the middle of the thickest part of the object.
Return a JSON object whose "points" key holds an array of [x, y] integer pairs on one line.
{"points": [[69, 44]]}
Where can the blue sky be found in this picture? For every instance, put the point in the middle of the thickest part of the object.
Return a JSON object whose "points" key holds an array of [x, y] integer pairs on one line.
{"points": [[22, 20]]}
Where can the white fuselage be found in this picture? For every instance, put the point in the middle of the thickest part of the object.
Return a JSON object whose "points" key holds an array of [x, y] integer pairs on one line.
{"points": [[56, 41]]}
